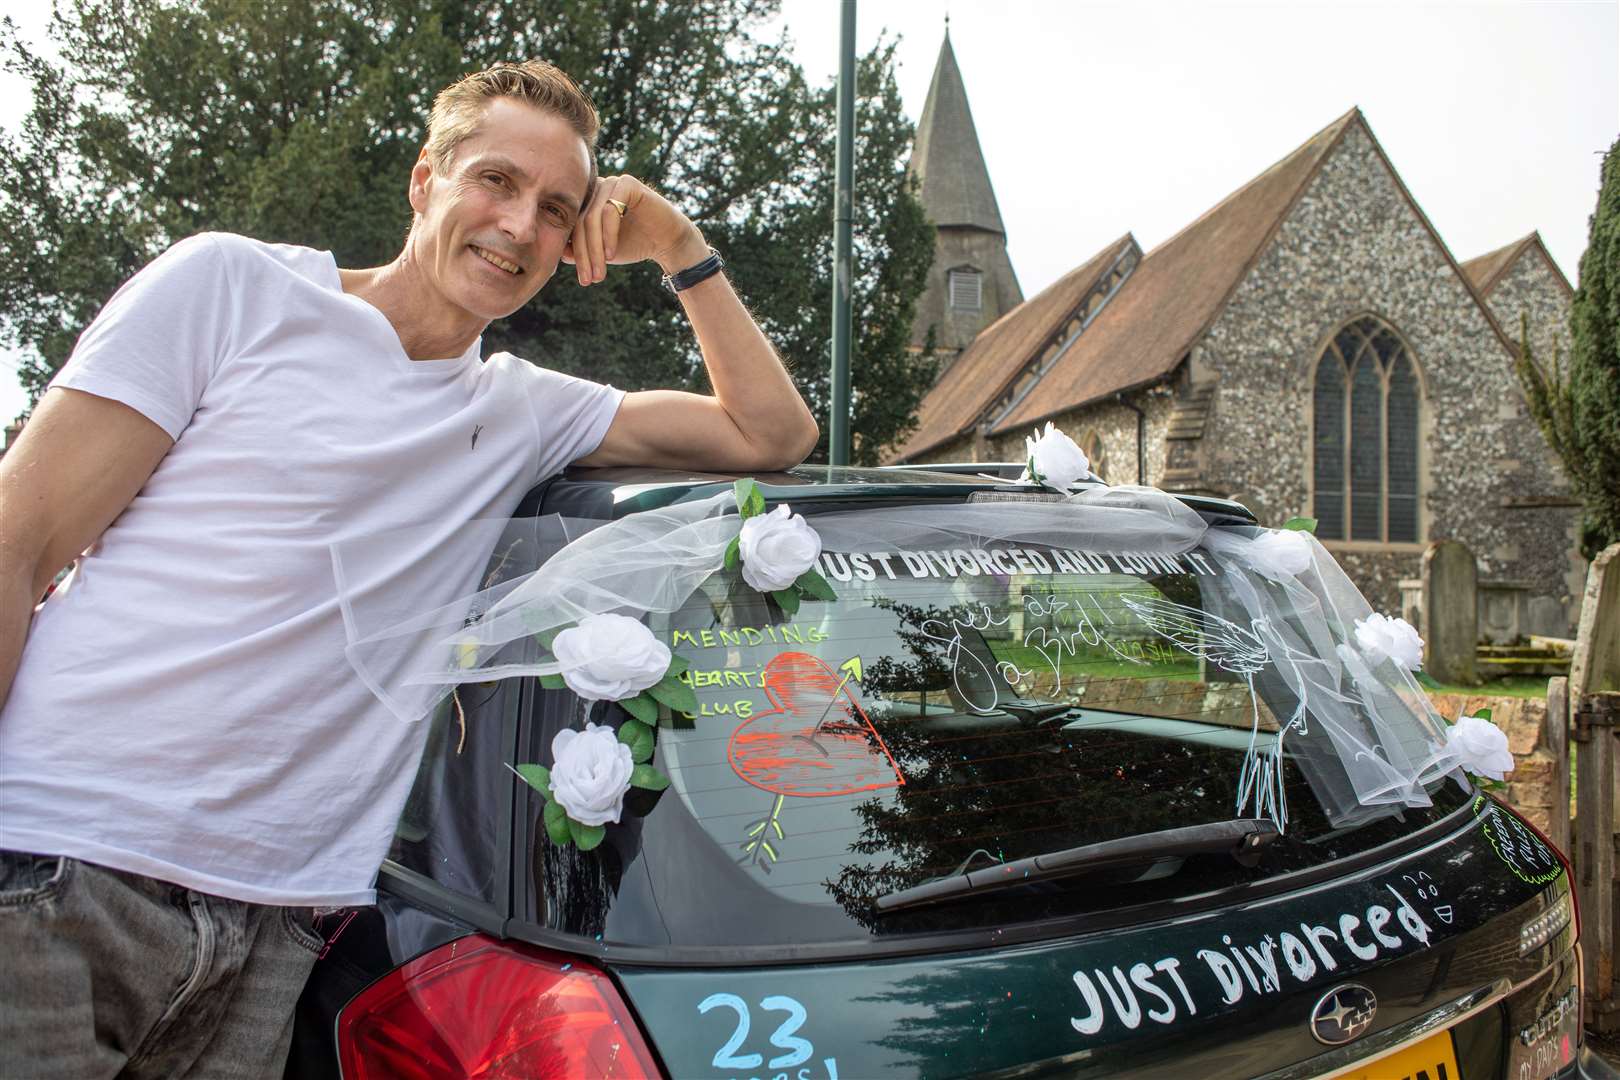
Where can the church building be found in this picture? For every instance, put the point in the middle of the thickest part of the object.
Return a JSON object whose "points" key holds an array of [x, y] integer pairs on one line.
{"points": [[1309, 346]]}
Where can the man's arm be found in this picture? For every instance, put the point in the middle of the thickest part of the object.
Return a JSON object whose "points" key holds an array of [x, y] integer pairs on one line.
{"points": [[755, 419], [79, 461]]}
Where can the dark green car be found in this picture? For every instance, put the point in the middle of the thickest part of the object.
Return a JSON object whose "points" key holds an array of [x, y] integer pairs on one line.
{"points": [[992, 811]]}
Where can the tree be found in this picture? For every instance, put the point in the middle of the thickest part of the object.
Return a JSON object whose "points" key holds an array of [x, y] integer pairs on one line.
{"points": [[297, 121], [1578, 406]]}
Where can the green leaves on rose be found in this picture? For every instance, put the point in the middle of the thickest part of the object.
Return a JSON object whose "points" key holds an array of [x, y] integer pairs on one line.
{"points": [[750, 500], [556, 819], [809, 585], [585, 837], [812, 586], [645, 776], [641, 739], [537, 777], [1301, 524]]}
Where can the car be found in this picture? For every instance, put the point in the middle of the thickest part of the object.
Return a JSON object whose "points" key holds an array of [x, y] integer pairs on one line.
{"points": [[1002, 807]]}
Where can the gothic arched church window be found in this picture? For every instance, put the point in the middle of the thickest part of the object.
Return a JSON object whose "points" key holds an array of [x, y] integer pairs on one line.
{"points": [[966, 288], [1364, 456]]}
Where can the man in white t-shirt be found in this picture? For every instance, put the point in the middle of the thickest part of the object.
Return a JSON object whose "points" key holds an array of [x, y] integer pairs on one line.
{"points": [[188, 766]]}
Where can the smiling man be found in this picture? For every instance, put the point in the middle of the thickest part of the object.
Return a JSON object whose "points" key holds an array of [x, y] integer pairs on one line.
{"points": [[188, 766]]}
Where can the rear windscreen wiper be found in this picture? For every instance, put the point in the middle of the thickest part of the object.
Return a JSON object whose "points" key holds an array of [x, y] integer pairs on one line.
{"points": [[1242, 838]]}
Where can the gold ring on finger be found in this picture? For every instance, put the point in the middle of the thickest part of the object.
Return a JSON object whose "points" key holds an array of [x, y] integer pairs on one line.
{"points": [[619, 206]]}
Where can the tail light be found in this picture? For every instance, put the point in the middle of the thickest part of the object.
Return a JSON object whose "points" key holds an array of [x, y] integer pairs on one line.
{"points": [[1569, 870], [485, 1008]]}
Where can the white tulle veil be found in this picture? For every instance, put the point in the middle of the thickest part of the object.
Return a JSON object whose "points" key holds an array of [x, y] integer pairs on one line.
{"points": [[415, 632]]}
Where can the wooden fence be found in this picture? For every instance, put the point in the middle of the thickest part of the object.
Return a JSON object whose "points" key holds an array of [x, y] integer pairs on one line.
{"points": [[1584, 711]]}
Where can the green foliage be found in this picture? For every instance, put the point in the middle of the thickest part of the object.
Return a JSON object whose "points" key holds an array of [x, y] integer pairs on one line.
{"points": [[639, 738], [1578, 406], [812, 586], [1301, 524], [556, 819], [585, 837], [750, 503], [645, 776], [641, 707], [537, 777], [672, 692], [298, 121]]}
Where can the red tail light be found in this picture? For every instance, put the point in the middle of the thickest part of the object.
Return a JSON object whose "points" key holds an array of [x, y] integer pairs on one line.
{"points": [[484, 1008]]}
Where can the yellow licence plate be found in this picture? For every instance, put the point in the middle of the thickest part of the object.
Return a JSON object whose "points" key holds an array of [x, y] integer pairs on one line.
{"points": [[1432, 1059]]}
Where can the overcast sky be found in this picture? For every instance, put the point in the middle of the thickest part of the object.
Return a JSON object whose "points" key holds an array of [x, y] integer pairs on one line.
{"points": [[1100, 118]]}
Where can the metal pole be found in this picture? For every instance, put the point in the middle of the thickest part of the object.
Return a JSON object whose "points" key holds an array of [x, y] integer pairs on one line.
{"points": [[838, 443]]}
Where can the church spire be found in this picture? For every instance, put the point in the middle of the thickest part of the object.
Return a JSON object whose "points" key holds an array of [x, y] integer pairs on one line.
{"points": [[972, 283], [946, 158]]}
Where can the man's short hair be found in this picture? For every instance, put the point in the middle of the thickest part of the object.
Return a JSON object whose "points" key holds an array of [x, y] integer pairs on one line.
{"points": [[460, 106]]}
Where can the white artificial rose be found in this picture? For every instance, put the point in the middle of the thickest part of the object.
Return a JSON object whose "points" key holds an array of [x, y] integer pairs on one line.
{"points": [[1058, 461], [1279, 553], [610, 657], [1480, 746], [590, 772], [1379, 636], [777, 548]]}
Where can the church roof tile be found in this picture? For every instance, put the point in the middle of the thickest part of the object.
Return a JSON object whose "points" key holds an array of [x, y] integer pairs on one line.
{"points": [[1486, 271]]}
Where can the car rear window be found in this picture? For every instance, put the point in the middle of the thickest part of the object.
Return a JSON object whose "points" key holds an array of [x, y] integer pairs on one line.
{"points": [[951, 712]]}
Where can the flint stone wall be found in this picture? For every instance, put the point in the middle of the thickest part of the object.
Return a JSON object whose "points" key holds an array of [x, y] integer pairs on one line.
{"points": [[1112, 423], [1532, 288], [1354, 245], [1115, 427]]}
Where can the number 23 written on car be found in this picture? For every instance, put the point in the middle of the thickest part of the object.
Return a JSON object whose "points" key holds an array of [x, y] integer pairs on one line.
{"points": [[797, 1050]]}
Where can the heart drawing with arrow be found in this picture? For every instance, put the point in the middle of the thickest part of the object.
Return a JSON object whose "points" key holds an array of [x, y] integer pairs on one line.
{"points": [[816, 740]]}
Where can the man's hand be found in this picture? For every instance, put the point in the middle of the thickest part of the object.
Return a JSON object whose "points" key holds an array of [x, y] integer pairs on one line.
{"points": [[628, 222], [756, 419]]}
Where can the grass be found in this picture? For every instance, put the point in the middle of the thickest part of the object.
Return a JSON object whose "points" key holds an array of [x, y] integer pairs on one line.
{"points": [[1096, 666], [1516, 686]]}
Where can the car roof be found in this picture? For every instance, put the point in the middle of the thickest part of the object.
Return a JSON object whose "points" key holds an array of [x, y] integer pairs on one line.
{"points": [[613, 492]]}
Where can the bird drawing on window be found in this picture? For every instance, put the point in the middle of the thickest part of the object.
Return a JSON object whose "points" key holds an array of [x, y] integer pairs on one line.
{"points": [[1245, 653]]}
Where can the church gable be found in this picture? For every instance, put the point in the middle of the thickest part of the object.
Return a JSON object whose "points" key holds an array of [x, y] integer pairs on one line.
{"points": [[1358, 367], [1179, 288], [1485, 270], [1526, 284]]}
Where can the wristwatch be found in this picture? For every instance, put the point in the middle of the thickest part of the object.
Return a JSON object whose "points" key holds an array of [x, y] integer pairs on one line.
{"points": [[700, 271]]}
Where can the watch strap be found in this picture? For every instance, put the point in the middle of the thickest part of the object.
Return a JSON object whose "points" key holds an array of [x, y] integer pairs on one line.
{"points": [[699, 271]]}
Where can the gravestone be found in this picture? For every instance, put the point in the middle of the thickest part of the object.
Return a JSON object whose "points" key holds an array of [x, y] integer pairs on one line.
{"points": [[1450, 624]]}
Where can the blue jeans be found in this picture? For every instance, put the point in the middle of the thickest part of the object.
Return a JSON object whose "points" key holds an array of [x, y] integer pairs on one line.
{"points": [[109, 974]]}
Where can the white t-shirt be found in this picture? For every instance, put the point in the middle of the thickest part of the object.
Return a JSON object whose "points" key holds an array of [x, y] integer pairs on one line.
{"points": [[184, 708]]}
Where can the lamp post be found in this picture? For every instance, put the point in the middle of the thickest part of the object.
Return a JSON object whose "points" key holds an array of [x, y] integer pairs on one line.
{"points": [[838, 441]]}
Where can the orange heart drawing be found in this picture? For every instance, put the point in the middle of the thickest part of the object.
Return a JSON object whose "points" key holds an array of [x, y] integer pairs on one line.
{"points": [[817, 741]]}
